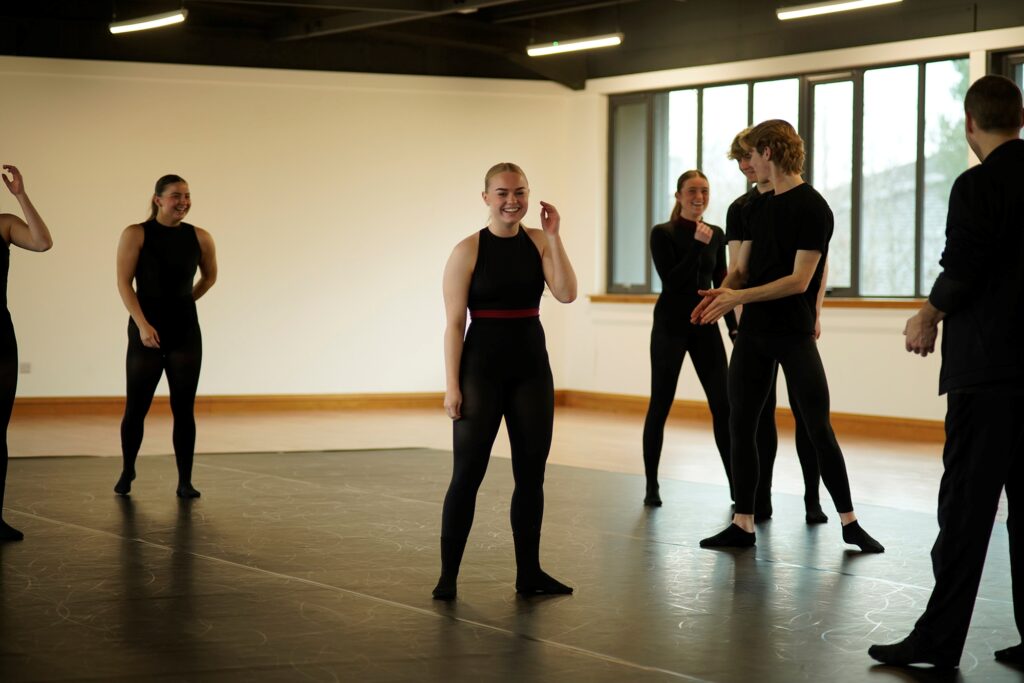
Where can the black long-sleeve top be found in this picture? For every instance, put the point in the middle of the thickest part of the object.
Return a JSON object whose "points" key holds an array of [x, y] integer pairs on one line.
{"points": [[981, 287], [685, 265]]}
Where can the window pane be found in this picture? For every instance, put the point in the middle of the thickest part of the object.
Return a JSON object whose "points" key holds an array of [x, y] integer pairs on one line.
{"points": [[1018, 75], [725, 114], [629, 189], [777, 100], [888, 187], [832, 163], [675, 151], [945, 156]]}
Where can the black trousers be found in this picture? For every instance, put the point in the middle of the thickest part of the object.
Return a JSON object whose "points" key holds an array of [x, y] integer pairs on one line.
{"points": [[504, 373], [768, 445], [8, 387], [984, 453], [754, 361], [704, 344]]}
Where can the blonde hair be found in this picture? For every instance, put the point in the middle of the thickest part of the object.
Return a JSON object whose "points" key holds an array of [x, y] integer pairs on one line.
{"points": [[677, 209], [781, 138], [503, 167], [736, 149]]}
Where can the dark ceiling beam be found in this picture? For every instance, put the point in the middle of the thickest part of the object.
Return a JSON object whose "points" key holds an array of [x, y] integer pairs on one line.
{"points": [[408, 6], [569, 71], [357, 21], [555, 10]]}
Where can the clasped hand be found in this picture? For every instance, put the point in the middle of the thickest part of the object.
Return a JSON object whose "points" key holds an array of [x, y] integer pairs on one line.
{"points": [[715, 304]]}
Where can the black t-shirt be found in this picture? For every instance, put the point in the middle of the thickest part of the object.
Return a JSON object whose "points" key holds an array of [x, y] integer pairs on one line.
{"points": [[778, 226], [736, 216], [685, 265]]}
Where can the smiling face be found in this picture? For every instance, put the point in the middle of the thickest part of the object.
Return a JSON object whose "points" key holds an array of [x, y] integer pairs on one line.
{"points": [[507, 197], [173, 203], [744, 164], [693, 198], [760, 162]]}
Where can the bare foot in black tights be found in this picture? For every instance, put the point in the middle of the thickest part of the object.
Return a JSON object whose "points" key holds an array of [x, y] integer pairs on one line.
{"points": [[186, 491], [814, 514], [124, 484], [9, 533], [854, 535], [540, 583], [445, 589], [653, 498]]}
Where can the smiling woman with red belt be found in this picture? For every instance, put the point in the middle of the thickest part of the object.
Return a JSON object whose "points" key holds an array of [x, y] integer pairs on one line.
{"points": [[499, 368]]}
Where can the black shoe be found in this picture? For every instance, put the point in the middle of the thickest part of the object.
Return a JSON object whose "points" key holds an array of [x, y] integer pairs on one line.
{"points": [[1011, 655], [911, 650], [540, 583], [445, 589], [763, 514], [9, 533], [733, 537], [186, 491]]}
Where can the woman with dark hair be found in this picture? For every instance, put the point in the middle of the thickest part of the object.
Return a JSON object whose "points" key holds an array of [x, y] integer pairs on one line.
{"points": [[32, 234], [499, 368], [162, 256], [688, 255]]}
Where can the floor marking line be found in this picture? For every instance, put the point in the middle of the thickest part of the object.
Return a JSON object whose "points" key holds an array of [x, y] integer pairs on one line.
{"points": [[384, 601]]}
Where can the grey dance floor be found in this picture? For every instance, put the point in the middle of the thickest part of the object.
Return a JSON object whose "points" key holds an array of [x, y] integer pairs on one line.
{"points": [[318, 567]]}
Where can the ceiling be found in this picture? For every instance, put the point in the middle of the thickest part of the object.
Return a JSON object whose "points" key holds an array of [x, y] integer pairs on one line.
{"points": [[471, 38]]}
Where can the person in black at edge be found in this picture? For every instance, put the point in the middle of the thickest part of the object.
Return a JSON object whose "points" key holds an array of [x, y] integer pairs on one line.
{"points": [[776, 279], [31, 234], [499, 367], [688, 255], [162, 256], [982, 309], [767, 434]]}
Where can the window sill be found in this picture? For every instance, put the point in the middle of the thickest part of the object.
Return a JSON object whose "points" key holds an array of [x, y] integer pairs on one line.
{"points": [[829, 302]]}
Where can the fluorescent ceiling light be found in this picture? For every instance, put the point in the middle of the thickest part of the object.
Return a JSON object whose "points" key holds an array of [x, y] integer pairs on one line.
{"points": [[813, 10], [609, 40], [151, 21]]}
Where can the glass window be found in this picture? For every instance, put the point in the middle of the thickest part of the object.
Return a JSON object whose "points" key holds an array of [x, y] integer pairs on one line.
{"points": [[777, 100], [724, 114], [889, 182], [832, 165], [629, 196], [945, 157]]}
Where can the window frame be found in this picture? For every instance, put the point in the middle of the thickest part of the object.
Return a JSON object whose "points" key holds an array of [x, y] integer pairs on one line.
{"points": [[805, 106]]}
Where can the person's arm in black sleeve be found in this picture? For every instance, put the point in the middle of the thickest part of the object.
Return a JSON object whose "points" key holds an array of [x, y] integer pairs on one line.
{"points": [[967, 255], [674, 274]]}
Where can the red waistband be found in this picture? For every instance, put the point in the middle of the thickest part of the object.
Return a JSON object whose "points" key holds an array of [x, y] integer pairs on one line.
{"points": [[510, 313]]}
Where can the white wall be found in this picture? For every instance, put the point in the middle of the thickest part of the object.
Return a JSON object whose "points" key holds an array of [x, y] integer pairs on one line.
{"points": [[335, 200]]}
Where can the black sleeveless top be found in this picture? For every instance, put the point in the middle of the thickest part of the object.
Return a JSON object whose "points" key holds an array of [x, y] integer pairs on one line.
{"points": [[164, 274], [5, 266], [508, 274]]}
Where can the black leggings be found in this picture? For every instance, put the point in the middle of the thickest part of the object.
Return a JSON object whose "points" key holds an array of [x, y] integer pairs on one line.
{"points": [[753, 366], [504, 373], [181, 356], [8, 387], [708, 354], [768, 444]]}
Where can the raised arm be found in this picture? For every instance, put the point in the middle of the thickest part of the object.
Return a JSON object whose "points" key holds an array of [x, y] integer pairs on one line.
{"points": [[128, 249], [31, 233], [558, 272], [207, 264], [457, 275]]}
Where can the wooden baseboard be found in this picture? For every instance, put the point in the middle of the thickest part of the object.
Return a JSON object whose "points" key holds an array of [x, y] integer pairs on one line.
{"points": [[114, 405], [901, 428], [852, 424]]}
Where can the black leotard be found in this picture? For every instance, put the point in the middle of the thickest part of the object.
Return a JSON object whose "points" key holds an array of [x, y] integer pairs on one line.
{"points": [[8, 379], [164, 277]]}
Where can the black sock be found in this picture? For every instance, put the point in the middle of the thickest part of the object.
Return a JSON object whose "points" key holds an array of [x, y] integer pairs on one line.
{"points": [[9, 533], [539, 583], [187, 491], [1011, 655], [763, 514], [451, 559], [912, 650], [733, 537], [854, 535], [653, 498], [124, 484], [814, 513]]}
